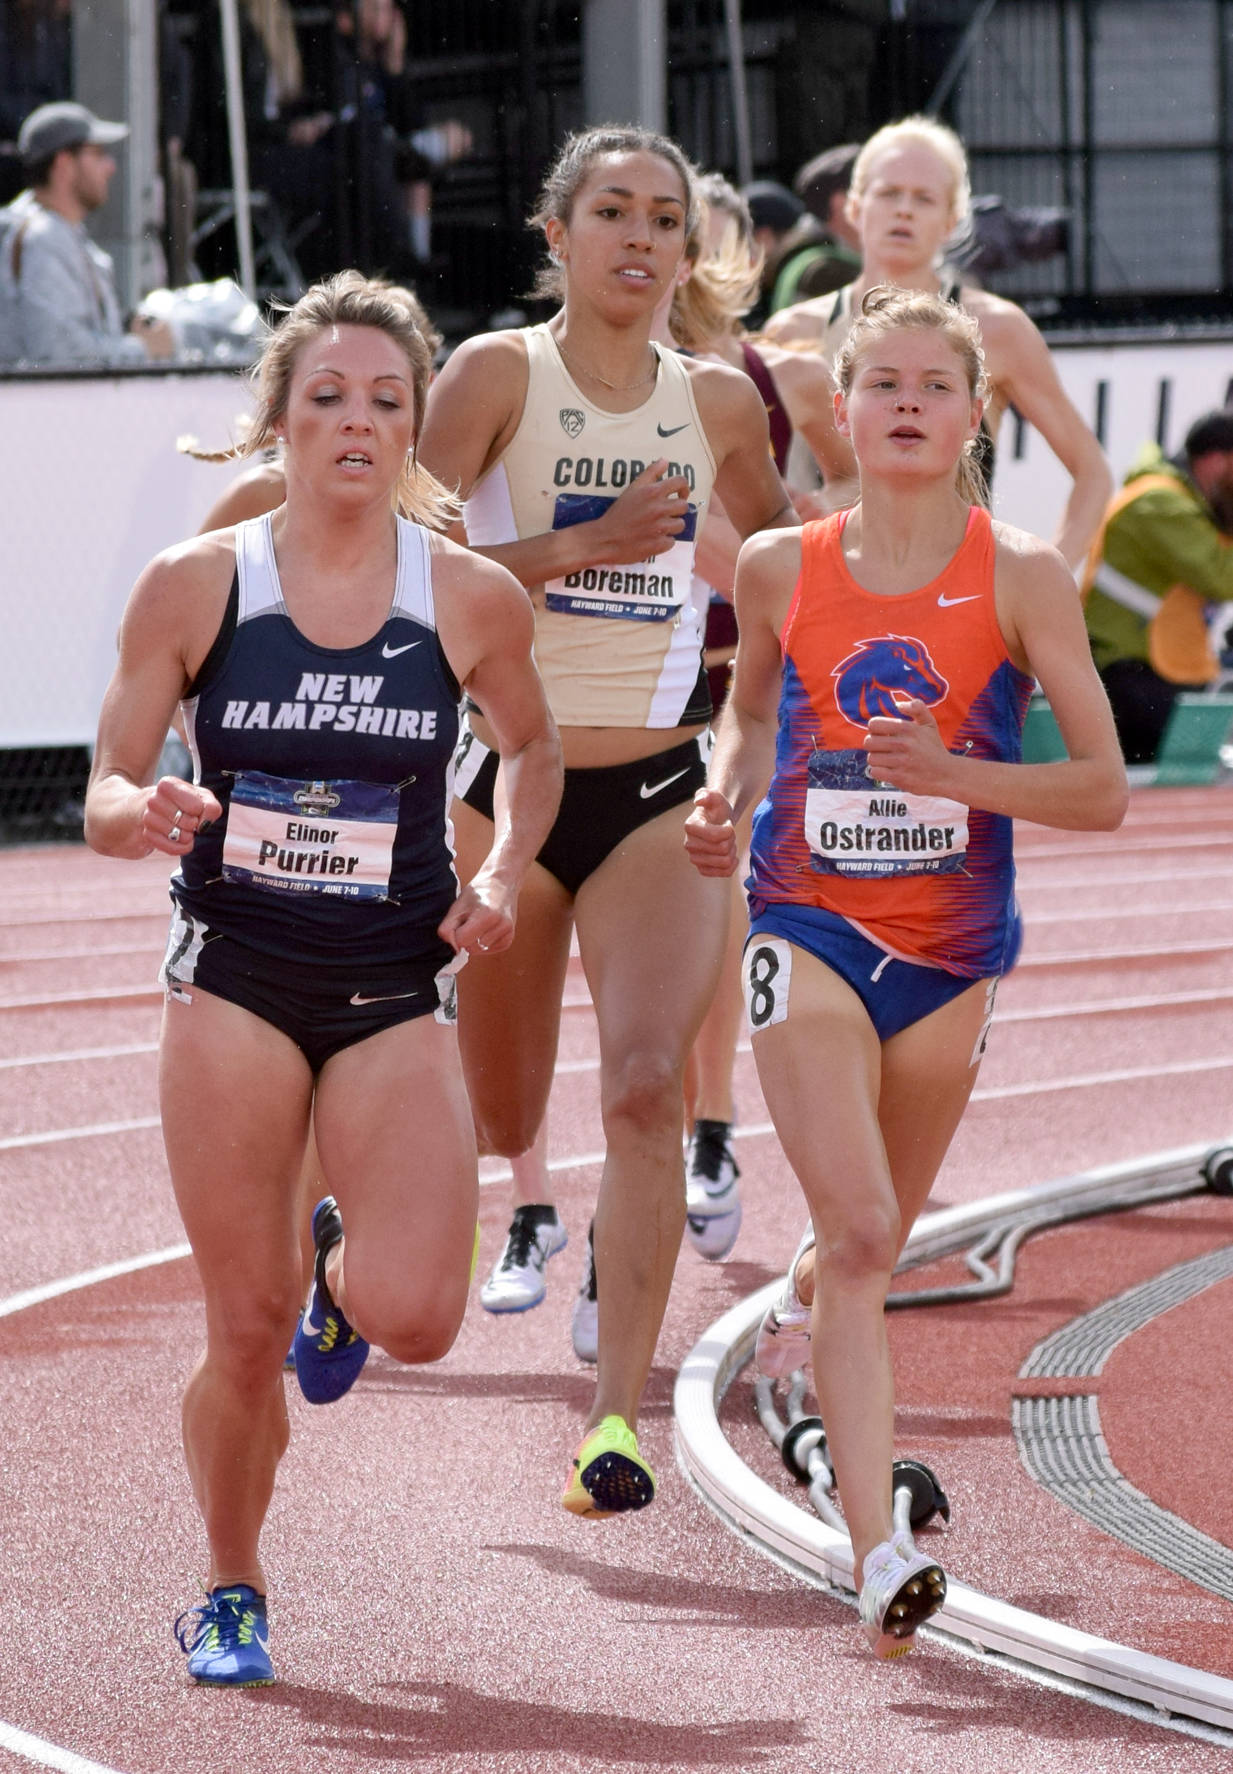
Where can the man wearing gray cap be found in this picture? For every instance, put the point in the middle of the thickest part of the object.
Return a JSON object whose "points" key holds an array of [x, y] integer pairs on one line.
{"points": [[57, 290]]}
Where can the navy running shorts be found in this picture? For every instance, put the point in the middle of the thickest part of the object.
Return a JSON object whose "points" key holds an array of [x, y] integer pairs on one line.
{"points": [[321, 1006]]}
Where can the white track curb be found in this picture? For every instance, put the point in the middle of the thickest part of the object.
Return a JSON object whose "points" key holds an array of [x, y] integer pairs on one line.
{"points": [[802, 1541]]}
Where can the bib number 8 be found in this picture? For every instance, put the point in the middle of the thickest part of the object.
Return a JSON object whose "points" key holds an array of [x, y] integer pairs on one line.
{"points": [[766, 977]]}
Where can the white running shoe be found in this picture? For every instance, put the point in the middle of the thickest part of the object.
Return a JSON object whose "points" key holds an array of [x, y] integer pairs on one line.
{"points": [[900, 1589], [783, 1336], [712, 1197], [584, 1325], [517, 1282]]}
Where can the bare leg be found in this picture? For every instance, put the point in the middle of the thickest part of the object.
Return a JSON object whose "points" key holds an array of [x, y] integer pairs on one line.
{"points": [[843, 1104], [651, 931], [394, 1129], [509, 1005], [714, 1052], [234, 1147], [532, 1183]]}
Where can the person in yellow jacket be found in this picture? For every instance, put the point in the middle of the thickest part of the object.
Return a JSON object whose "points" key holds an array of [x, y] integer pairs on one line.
{"points": [[1163, 556]]}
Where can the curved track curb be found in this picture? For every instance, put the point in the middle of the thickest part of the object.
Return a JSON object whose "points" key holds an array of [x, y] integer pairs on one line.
{"points": [[806, 1544]]}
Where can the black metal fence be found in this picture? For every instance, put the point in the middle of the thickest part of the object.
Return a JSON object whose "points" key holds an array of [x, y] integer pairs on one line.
{"points": [[1117, 111]]}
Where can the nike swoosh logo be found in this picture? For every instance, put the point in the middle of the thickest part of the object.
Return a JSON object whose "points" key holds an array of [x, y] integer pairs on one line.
{"points": [[944, 602], [382, 997], [388, 652], [649, 789], [307, 1326], [671, 430]]}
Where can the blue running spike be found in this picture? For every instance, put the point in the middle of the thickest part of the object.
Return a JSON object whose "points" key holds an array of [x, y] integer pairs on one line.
{"points": [[227, 1639], [328, 1353]]}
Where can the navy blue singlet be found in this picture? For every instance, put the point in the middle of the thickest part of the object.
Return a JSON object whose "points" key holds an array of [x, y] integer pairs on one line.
{"points": [[334, 769]]}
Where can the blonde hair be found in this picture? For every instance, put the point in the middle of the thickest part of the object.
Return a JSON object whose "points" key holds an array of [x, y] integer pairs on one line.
{"points": [[347, 299], [887, 310], [925, 132], [275, 25], [723, 285]]}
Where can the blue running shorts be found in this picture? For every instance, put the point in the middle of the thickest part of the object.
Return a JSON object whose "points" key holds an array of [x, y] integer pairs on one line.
{"points": [[895, 993]]}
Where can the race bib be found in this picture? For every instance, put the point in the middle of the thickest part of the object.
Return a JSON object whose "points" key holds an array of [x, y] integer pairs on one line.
{"points": [[856, 827], [311, 837], [647, 591]]}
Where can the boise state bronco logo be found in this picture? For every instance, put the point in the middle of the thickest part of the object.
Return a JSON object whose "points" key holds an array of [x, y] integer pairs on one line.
{"points": [[869, 679]]}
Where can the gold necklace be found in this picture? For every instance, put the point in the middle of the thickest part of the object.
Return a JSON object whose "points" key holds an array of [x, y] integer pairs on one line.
{"points": [[616, 387]]}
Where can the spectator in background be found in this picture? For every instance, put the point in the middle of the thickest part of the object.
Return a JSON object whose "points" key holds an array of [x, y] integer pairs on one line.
{"points": [[822, 251], [775, 212], [58, 299], [377, 88], [1161, 557]]}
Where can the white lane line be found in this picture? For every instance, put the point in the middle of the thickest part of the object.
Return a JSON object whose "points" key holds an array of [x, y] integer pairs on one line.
{"points": [[1098, 957], [1034, 1087], [1103, 915], [1047, 1013], [100, 995], [1128, 1075], [78, 1053], [1203, 840], [125, 948], [68, 1284], [47, 1755], [1116, 1006], [1056, 882], [95, 1130]]}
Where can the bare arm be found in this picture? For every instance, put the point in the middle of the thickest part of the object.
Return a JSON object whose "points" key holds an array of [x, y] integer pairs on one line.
{"points": [[803, 379], [1026, 376], [487, 627], [801, 323], [744, 752], [259, 489], [1043, 625], [164, 636], [474, 408], [718, 548]]}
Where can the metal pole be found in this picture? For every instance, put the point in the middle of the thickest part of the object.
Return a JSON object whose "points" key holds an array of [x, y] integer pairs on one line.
{"points": [[740, 95], [237, 137], [959, 60]]}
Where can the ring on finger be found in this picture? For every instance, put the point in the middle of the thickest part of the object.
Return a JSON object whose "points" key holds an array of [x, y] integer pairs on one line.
{"points": [[482, 945], [174, 834]]}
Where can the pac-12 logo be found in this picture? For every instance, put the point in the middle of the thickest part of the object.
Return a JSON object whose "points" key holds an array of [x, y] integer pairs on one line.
{"points": [[572, 421], [876, 671]]}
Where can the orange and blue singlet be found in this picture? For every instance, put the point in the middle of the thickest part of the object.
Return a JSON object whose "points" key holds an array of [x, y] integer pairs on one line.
{"points": [[924, 879]]}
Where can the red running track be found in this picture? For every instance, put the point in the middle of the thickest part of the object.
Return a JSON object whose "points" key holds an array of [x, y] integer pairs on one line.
{"points": [[432, 1605]]}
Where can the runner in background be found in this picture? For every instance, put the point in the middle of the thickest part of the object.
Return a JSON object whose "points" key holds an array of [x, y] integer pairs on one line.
{"points": [[886, 660], [586, 455], [318, 654], [795, 388], [909, 192]]}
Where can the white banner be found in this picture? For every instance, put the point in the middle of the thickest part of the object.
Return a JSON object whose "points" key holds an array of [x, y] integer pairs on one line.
{"points": [[93, 487]]}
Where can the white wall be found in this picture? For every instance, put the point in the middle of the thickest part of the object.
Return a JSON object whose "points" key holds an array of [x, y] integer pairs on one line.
{"points": [[1031, 491], [93, 486]]}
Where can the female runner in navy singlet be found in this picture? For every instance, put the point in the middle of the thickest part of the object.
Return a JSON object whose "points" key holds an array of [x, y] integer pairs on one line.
{"points": [[586, 454], [318, 654]]}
